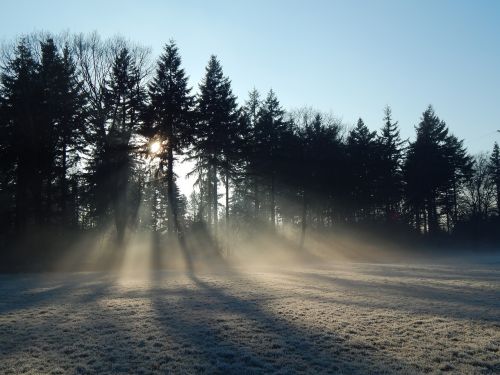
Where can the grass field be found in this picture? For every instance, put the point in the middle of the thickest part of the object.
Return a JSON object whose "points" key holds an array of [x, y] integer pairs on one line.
{"points": [[343, 318]]}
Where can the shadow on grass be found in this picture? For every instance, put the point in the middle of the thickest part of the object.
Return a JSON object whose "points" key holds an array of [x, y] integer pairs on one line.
{"points": [[460, 302]]}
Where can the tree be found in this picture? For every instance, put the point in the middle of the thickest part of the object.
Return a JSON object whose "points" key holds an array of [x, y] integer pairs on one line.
{"points": [[217, 117], [494, 170], [94, 62], [124, 101], [362, 151], [19, 132], [62, 107], [460, 169], [479, 188], [315, 151], [170, 119], [251, 112], [391, 159], [269, 132], [73, 112], [435, 162]]}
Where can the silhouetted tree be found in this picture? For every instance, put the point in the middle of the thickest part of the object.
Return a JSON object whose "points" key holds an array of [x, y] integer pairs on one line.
{"points": [[217, 115], [71, 141], [124, 102], [317, 150], [62, 107], [251, 108], [94, 62], [479, 188], [269, 131], [460, 169], [362, 151], [20, 134], [431, 168], [494, 170], [390, 184], [170, 119]]}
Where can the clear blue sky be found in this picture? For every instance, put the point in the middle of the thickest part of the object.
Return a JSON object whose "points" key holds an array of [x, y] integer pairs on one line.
{"points": [[348, 57]]}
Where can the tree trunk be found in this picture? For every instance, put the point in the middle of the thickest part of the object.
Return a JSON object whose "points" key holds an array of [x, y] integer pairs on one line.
{"points": [[227, 200], [172, 204], [256, 198], [273, 203], [215, 202], [209, 196], [21, 197], [498, 199], [120, 215], [455, 203], [418, 222], [304, 220], [64, 187]]}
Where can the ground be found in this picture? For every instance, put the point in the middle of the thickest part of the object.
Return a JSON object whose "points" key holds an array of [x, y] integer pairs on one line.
{"points": [[342, 318]]}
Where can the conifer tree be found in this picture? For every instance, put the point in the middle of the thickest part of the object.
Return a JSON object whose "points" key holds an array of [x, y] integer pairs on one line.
{"points": [[251, 111], [362, 151], [433, 164], [170, 119], [269, 132], [494, 169], [391, 158], [19, 141], [124, 101], [71, 138], [217, 115]]}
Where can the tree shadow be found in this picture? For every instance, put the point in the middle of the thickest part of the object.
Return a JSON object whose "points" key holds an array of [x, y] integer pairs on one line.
{"points": [[226, 333], [459, 302]]}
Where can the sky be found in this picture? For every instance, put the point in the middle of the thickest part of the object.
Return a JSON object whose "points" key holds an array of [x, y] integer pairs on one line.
{"points": [[350, 58]]}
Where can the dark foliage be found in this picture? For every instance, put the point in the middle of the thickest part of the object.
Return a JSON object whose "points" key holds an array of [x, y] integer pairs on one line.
{"points": [[78, 119]]}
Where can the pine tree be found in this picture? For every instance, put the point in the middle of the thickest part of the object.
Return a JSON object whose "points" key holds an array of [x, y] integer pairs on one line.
{"points": [[362, 150], [170, 118], [62, 109], [311, 164], [494, 170], [124, 101], [269, 131], [459, 170], [49, 77], [20, 93], [217, 115], [71, 136], [434, 165], [391, 158], [251, 112]]}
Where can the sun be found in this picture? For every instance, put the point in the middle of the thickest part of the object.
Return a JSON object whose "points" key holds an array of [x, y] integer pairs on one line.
{"points": [[154, 147]]}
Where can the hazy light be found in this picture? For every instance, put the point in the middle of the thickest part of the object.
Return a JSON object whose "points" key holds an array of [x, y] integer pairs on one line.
{"points": [[155, 147]]}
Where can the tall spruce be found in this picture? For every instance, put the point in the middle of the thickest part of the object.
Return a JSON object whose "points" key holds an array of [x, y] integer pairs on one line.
{"points": [[170, 119], [19, 141], [124, 101], [62, 110], [269, 132], [71, 138], [251, 108], [391, 158], [362, 151], [494, 169], [217, 115], [435, 163]]}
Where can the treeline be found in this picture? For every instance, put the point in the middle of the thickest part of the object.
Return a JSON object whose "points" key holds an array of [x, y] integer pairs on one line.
{"points": [[93, 132]]}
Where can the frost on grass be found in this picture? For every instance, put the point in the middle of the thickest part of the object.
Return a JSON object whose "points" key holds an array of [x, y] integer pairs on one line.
{"points": [[340, 319]]}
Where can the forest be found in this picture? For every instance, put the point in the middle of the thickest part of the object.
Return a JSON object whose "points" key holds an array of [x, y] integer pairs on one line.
{"points": [[95, 134]]}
